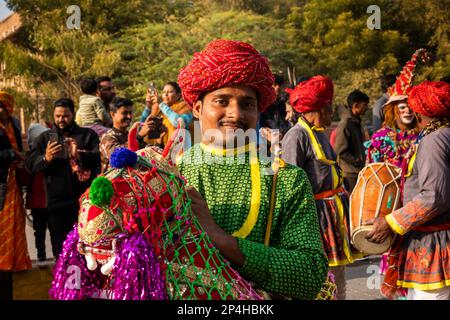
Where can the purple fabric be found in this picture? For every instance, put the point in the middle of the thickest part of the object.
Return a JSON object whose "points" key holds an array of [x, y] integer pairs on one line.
{"points": [[137, 274]]}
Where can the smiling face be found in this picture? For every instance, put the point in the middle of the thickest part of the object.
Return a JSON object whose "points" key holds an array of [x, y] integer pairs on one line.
{"points": [[224, 111], [122, 117]]}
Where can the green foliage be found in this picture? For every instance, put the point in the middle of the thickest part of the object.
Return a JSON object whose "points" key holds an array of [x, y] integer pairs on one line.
{"points": [[139, 41], [156, 52]]}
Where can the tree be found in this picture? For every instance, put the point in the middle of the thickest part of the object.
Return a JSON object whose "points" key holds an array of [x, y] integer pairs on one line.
{"points": [[138, 41], [156, 52]]}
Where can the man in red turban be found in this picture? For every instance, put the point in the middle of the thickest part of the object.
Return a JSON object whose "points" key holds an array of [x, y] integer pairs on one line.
{"points": [[307, 146], [431, 99], [311, 95], [224, 63], [278, 249], [419, 257]]}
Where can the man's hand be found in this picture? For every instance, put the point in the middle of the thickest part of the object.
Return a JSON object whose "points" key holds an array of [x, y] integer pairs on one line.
{"points": [[270, 135], [52, 150], [380, 231], [224, 242], [148, 127], [151, 101], [144, 130], [72, 148], [201, 210]]}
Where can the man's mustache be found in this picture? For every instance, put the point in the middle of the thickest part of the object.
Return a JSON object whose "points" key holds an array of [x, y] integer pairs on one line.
{"points": [[238, 124]]}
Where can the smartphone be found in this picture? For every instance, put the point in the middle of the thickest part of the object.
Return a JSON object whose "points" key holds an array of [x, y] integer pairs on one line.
{"points": [[151, 88], [53, 137]]}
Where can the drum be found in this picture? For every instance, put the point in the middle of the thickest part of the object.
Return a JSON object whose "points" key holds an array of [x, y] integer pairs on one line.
{"points": [[376, 194]]}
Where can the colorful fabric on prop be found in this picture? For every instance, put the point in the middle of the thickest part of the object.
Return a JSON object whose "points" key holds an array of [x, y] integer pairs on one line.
{"points": [[311, 95], [402, 86], [223, 63], [431, 99], [8, 102], [140, 239], [390, 145]]}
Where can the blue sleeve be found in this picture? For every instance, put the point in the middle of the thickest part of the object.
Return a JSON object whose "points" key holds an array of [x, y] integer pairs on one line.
{"points": [[145, 114], [173, 116]]}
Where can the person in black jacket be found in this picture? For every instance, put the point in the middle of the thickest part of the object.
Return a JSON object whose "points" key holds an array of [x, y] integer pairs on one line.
{"points": [[350, 138], [275, 115], [70, 159]]}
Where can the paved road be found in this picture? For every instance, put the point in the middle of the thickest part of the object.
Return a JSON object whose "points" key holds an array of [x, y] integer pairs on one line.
{"points": [[363, 280]]}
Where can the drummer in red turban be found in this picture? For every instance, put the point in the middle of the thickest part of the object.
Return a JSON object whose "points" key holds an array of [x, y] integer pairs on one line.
{"points": [[307, 146], [419, 257], [431, 99], [311, 95], [227, 85]]}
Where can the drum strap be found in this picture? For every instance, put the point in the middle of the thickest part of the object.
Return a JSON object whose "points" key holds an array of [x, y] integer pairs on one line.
{"points": [[317, 147], [319, 153], [329, 193]]}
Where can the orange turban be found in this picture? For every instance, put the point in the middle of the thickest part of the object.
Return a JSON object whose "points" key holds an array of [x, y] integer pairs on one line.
{"points": [[223, 63]]}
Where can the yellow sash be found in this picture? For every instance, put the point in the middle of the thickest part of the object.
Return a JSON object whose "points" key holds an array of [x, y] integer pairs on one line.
{"points": [[255, 174], [337, 181]]}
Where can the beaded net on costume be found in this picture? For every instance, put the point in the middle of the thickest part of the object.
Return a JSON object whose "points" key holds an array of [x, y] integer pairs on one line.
{"points": [[144, 197]]}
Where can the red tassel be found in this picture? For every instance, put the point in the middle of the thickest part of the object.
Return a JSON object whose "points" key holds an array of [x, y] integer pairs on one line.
{"points": [[133, 144]]}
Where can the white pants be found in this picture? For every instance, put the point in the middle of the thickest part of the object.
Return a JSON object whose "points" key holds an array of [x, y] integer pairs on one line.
{"points": [[438, 294]]}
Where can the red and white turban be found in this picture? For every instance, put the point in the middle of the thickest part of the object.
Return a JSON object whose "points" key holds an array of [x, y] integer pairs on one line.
{"points": [[223, 63], [431, 99], [311, 95]]}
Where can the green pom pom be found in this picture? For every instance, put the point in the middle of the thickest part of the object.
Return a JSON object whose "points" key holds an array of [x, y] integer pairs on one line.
{"points": [[101, 192]]}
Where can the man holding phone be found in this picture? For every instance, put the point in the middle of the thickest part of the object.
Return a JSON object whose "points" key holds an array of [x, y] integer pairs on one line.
{"points": [[69, 158]]}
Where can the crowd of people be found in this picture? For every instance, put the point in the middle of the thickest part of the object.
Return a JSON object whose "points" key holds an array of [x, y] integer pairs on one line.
{"points": [[230, 86]]}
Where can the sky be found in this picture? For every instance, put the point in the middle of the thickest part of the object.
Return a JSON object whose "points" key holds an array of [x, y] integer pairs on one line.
{"points": [[4, 11]]}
